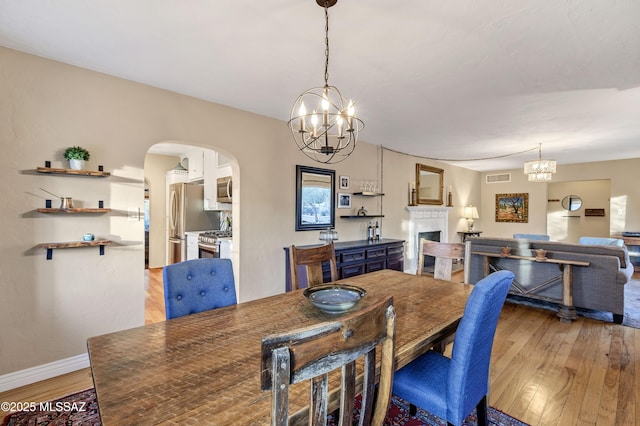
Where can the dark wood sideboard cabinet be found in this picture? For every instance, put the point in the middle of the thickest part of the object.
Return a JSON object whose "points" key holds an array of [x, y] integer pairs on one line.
{"points": [[359, 257]]}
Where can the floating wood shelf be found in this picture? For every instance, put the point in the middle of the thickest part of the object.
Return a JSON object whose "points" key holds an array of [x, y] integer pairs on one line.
{"points": [[74, 244], [77, 210], [361, 217], [93, 173], [369, 194]]}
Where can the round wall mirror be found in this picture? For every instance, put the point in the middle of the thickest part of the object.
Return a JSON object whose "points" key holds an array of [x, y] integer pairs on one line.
{"points": [[571, 203]]}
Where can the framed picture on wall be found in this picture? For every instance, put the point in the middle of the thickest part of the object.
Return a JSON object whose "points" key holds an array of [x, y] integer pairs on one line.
{"points": [[512, 207], [344, 201], [344, 182]]}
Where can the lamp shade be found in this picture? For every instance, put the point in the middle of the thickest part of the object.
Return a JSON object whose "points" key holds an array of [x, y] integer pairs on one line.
{"points": [[470, 212]]}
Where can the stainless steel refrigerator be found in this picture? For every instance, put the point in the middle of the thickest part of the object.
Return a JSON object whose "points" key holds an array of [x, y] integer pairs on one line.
{"points": [[187, 213]]}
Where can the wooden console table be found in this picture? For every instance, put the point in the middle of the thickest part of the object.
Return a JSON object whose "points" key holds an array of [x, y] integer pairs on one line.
{"points": [[566, 310]]}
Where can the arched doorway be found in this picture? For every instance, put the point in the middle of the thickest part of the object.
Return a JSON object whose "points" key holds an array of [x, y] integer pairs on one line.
{"points": [[166, 163]]}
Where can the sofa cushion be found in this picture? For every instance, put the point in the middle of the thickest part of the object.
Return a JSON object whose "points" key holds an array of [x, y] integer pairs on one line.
{"points": [[601, 241], [532, 237]]}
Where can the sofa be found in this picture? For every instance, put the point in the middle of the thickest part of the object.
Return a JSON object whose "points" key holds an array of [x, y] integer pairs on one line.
{"points": [[599, 286]]}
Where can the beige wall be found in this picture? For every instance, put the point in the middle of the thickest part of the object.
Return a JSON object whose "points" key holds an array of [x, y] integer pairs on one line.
{"points": [[50, 307], [563, 225], [623, 209]]}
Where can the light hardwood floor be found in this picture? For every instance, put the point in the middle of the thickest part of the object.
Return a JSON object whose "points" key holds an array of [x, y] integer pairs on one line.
{"points": [[543, 372]]}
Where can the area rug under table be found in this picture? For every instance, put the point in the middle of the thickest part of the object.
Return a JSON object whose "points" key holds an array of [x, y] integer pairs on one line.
{"points": [[83, 410]]}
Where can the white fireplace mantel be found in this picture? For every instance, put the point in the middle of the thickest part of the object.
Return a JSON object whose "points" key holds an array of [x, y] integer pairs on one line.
{"points": [[425, 218]]}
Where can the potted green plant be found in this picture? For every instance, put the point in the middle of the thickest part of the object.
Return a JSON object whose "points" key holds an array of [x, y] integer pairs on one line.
{"points": [[76, 156]]}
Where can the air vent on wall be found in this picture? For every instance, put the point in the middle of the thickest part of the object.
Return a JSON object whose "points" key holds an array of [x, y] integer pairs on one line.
{"points": [[501, 178]]}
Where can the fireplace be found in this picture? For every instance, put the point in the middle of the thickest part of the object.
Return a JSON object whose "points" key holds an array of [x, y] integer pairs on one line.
{"points": [[429, 261], [425, 220]]}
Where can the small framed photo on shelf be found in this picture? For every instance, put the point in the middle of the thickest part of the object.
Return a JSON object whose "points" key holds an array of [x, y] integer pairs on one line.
{"points": [[344, 201], [344, 182]]}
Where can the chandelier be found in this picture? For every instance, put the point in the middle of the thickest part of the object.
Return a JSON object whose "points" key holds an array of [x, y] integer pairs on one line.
{"points": [[540, 170], [327, 132]]}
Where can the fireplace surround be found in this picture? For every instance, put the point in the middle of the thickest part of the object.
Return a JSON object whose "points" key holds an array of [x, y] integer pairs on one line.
{"points": [[425, 218]]}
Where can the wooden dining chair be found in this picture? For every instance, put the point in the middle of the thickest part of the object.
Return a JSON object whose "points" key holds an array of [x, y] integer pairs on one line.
{"points": [[312, 258], [445, 254], [311, 353]]}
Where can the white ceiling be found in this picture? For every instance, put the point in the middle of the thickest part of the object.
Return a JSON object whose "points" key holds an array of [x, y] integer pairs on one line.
{"points": [[441, 79]]}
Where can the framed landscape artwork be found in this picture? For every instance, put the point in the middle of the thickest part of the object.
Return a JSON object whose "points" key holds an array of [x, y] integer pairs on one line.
{"points": [[512, 208]]}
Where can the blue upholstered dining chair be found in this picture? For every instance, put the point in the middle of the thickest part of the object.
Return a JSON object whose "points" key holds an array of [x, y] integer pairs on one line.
{"points": [[532, 237], [198, 285], [451, 387]]}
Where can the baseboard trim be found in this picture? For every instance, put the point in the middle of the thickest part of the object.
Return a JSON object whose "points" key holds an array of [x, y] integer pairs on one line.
{"points": [[43, 372]]}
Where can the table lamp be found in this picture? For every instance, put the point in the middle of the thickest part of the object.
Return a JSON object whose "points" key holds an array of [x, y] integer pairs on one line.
{"points": [[470, 213]]}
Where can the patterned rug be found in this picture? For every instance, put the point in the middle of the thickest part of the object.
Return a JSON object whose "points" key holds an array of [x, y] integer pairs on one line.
{"points": [[82, 409]]}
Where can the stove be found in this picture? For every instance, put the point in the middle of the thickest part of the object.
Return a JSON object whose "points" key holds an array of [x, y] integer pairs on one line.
{"points": [[211, 237]]}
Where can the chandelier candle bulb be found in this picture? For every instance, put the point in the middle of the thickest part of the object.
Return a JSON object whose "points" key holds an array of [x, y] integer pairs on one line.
{"points": [[314, 124], [302, 112]]}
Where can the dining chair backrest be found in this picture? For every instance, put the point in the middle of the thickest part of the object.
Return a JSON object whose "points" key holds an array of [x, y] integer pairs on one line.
{"points": [[312, 259], [450, 388], [198, 285], [468, 379], [311, 353], [444, 254]]}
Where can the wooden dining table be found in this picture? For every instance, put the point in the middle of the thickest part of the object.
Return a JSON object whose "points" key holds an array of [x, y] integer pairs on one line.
{"points": [[205, 368]]}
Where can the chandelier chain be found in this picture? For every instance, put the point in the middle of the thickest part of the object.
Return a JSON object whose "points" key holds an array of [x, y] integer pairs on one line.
{"points": [[326, 42]]}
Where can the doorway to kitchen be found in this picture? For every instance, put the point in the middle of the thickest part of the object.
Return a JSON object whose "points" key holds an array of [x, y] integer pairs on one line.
{"points": [[194, 168]]}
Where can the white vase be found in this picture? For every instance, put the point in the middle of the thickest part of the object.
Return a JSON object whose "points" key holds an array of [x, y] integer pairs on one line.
{"points": [[76, 164]]}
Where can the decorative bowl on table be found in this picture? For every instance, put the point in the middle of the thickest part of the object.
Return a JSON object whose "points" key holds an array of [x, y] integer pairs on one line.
{"points": [[334, 298]]}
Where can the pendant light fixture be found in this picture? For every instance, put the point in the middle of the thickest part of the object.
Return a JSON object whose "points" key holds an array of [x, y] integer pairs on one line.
{"points": [[322, 121], [540, 170]]}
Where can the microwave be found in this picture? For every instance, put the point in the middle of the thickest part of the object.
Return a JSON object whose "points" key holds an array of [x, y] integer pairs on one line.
{"points": [[224, 189]]}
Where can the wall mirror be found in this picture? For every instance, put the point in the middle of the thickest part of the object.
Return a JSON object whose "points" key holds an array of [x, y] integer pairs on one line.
{"points": [[315, 198], [429, 184], [571, 203]]}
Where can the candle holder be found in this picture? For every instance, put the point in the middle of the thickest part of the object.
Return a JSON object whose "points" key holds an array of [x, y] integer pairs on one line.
{"points": [[414, 199], [449, 199]]}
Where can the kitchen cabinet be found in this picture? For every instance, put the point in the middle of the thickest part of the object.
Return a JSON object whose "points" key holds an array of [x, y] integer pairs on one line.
{"points": [[215, 166], [192, 244], [359, 257], [224, 165], [226, 248], [196, 164]]}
